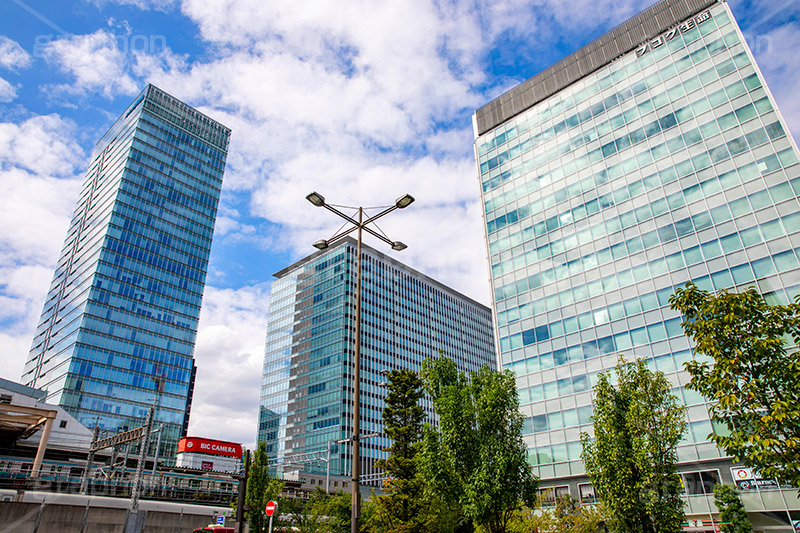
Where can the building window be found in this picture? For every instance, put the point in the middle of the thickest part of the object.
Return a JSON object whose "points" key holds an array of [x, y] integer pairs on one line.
{"points": [[62, 424], [5, 398], [700, 482], [587, 493], [549, 495]]}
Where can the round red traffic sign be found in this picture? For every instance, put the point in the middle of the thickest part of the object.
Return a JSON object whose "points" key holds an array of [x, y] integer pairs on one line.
{"points": [[271, 505]]}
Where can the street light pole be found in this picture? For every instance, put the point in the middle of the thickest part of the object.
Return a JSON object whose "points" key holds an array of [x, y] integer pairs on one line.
{"points": [[355, 505], [319, 201]]}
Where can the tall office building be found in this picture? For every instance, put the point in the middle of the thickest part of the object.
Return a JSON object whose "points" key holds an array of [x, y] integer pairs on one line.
{"points": [[122, 310], [653, 156], [307, 386]]}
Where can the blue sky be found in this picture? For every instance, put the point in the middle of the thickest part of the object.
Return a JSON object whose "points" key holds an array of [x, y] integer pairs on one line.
{"points": [[362, 101]]}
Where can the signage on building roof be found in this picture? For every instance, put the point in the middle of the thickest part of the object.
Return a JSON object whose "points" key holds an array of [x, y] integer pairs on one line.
{"points": [[209, 446], [670, 34]]}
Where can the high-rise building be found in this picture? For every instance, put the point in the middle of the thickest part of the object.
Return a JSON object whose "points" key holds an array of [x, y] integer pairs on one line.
{"points": [[121, 313], [307, 386], [652, 156]]}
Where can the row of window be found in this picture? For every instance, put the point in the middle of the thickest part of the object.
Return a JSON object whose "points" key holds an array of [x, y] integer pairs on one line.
{"points": [[664, 234], [190, 144], [627, 189], [744, 273], [697, 432], [616, 124], [159, 163], [692, 483], [617, 72], [629, 117], [146, 236], [188, 119], [677, 170]]}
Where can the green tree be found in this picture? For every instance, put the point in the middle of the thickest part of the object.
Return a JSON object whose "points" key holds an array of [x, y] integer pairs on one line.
{"points": [[631, 459], [475, 461], [744, 364], [261, 488], [336, 508], [402, 504], [320, 513], [568, 516], [731, 511]]}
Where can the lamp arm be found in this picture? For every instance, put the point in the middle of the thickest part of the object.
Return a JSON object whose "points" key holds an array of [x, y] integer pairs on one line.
{"points": [[339, 213], [379, 215], [378, 235]]}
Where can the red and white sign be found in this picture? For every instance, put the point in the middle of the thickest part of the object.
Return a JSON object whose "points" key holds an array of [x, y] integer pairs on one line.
{"points": [[271, 505], [207, 465], [210, 446]]}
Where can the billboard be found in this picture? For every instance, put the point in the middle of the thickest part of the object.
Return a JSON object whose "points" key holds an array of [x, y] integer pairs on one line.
{"points": [[209, 446]]}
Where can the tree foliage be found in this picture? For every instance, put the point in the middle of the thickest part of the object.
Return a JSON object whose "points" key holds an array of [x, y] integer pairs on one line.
{"points": [[731, 510], [402, 505], [320, 513], [261, 488], [632, 458], [475, 461], [746, 366], [568, 516]]}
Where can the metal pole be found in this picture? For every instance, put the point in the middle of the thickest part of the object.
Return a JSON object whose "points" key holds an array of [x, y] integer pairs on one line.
{"points": [[355, 509], [137, 480], [158, 447], [270, 523], [85, 515], [39, 517], [90, 459], [240, 499], [328, 471]]}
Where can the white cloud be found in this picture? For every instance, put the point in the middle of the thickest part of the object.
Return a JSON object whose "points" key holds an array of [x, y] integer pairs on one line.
{"points": [[42, 145], [229, 355], [775, 54], [160, 5], [578, 16], [7, 91], [39, 182], [94, 61], [12, 55]]}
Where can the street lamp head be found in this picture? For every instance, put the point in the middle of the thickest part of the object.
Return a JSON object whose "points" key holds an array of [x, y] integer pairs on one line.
{"points": [[317, 199], [398, 246], [321, 244], [404, 201]]}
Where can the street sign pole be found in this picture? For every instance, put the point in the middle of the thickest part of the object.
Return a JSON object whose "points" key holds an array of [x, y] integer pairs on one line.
{"points": [[271, 507]]}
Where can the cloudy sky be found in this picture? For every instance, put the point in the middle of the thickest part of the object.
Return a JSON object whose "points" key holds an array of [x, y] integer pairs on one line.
{"points": [[359, 100]]}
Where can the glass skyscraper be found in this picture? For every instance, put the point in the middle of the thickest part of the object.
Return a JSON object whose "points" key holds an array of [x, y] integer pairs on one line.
{"points": [[307, 386], [653, 156], [123, 306]]}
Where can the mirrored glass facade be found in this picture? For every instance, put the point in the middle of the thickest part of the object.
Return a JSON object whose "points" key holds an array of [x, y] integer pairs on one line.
{"points": [[123, 306], [666, 164], [307, 393]]}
